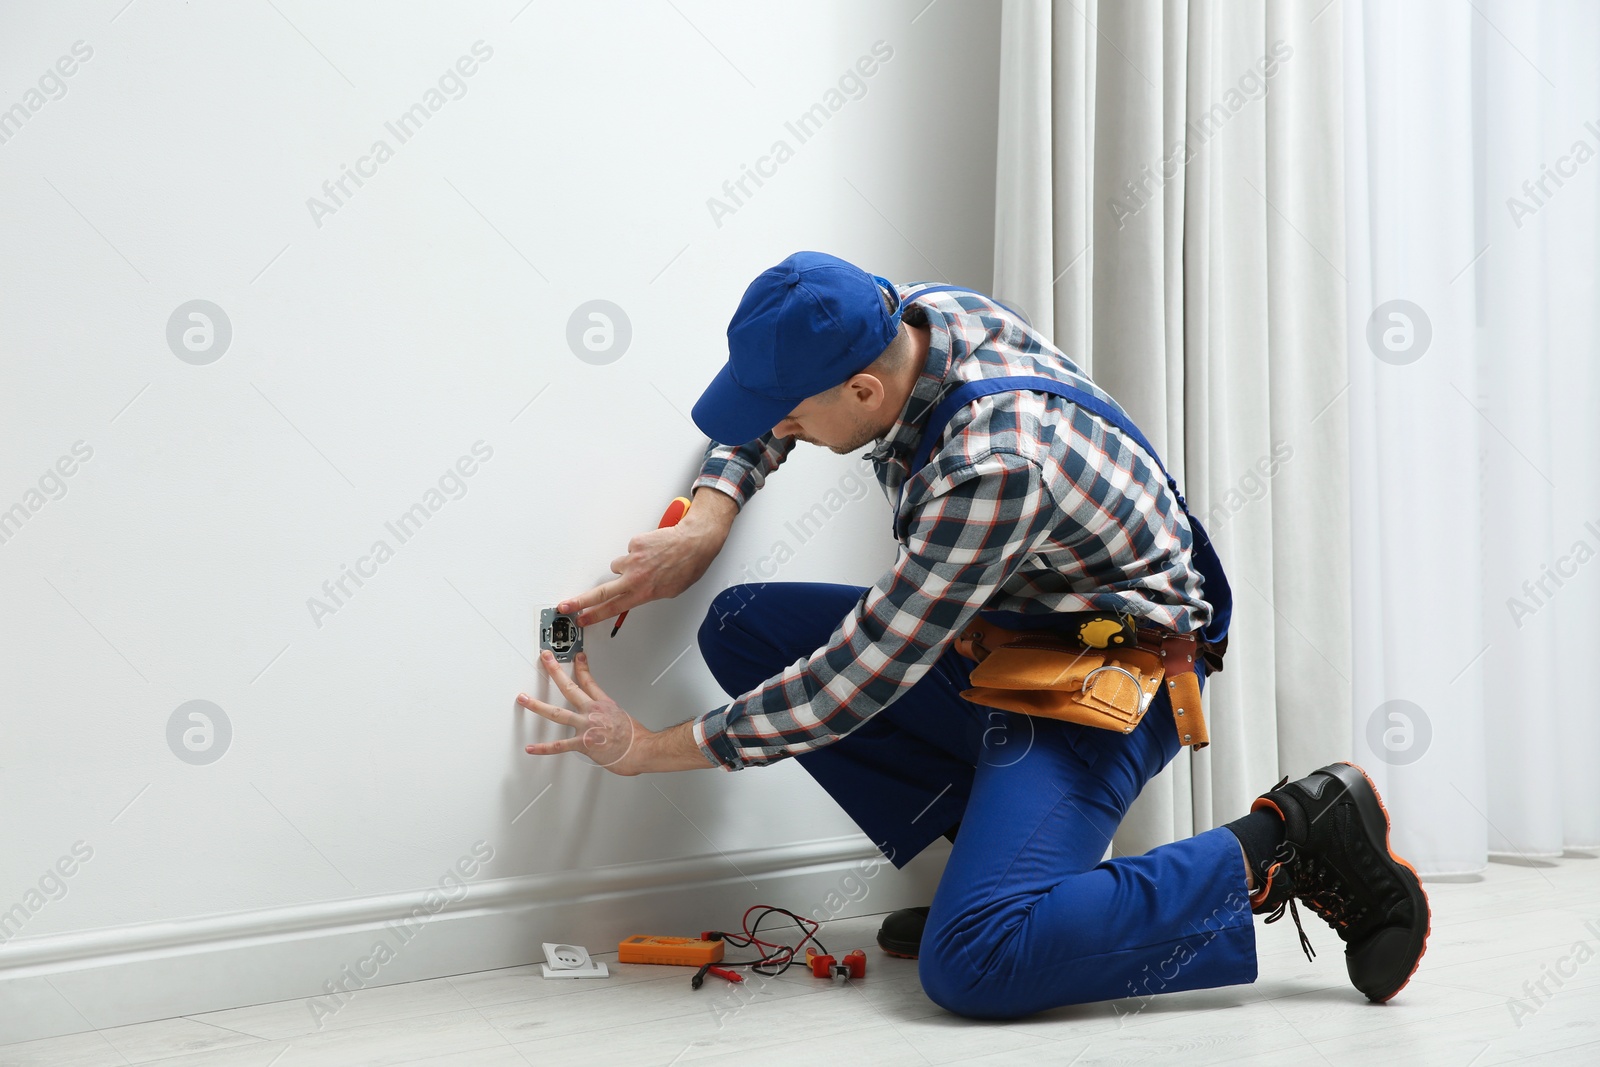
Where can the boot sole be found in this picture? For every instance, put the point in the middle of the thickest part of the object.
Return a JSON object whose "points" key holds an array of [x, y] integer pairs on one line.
{"points": [[1375, 821], [899, 949]]}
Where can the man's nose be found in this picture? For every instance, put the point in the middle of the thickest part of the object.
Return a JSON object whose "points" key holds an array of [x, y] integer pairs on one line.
{"points": [[786, 428]]}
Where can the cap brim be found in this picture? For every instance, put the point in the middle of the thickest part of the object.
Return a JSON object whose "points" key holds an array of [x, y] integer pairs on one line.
{"points": [[730, 414]]}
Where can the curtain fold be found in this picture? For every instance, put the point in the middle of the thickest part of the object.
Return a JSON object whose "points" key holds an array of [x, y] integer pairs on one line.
{"points": [[1415, 537], [1474, 390], [1340, 262], [1572, 240], [1175, 226]]}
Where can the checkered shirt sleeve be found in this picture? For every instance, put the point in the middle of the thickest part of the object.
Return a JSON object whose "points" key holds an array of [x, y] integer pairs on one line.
{"points": [[978, 520], [740, 471]]}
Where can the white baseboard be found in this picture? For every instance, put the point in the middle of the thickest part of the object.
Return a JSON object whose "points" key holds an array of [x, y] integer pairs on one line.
{"points": [[71, 983]]}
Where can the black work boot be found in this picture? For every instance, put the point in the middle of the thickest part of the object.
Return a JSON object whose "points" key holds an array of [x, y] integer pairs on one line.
{"points": [[901, 932], [1336, 860]]}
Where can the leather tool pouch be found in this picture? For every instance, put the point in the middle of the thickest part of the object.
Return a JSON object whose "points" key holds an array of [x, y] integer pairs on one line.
{"points": [[1057, 677]]}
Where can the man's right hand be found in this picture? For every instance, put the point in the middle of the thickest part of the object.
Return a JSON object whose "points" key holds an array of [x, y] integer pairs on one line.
{"points": [[661, 563]]}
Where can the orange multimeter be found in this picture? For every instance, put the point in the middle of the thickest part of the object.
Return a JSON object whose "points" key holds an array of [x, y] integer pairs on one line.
{"points": [[681, 951]]}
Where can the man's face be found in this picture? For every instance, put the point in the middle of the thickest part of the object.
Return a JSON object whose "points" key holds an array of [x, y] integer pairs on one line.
{"points": [[836, 420]]}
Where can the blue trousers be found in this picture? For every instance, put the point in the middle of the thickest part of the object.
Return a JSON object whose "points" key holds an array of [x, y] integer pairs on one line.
{"points": [[1026, 916]]}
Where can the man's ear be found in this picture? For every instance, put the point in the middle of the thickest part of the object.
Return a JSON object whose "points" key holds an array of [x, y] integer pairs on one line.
{"points": [[867, 390]]}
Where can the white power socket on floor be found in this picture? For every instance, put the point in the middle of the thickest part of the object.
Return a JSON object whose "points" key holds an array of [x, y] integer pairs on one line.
{"points": [[571, 961]]}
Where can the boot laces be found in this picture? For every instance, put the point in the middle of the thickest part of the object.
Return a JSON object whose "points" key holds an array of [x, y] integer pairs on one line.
{"points": [[1325, 894], [1294, 913]]}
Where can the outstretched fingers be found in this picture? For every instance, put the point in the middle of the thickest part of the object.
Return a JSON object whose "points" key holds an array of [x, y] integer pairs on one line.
{"points": [[569, 689], [604, 732], [553, 748], [559, 716], [581, 675]]}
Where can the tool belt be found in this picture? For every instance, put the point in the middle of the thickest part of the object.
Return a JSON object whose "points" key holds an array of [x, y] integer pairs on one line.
{"points": [[1097, 668]]}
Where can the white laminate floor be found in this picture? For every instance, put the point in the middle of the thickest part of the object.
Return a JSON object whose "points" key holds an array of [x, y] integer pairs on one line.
{"points": [[1475, 1001]]}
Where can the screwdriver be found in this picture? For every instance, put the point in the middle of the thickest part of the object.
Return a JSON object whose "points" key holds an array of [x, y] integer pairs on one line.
{"points": [[671, 517]]}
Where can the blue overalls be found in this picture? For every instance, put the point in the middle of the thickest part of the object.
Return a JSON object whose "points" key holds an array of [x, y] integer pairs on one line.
{"points": [[1026, 916]]}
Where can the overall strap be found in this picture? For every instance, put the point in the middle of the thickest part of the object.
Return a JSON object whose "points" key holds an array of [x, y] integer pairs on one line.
{"points": [[1217, 590]]}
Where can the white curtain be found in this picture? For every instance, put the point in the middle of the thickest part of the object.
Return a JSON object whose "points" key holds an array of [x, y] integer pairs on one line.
{"points": [[1473, 171], [1169, 210]]}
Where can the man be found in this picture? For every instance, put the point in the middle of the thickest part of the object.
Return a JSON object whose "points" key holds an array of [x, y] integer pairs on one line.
{"points": [[1023, 492]]}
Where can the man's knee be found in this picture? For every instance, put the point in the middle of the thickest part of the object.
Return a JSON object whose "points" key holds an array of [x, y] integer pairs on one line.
{"points": [[721, 626], [752, 632], [953, 977], [724, 640], [953, 981], [971, 969]]}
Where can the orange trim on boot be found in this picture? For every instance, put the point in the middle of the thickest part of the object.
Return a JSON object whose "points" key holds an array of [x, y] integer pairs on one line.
{"points": [[1259, 897], [1263, 802]]}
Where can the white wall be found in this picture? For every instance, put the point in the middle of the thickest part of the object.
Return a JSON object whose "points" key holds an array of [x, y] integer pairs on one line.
{"points": [[371, 347]]}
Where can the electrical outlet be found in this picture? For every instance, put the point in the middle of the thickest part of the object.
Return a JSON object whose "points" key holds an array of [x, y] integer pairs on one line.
{"points": [[561, 634], [568, 956], [571, 961]]}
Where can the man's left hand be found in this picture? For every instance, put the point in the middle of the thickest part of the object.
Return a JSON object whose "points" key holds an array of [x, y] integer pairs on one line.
{"points": [[609, 736]]}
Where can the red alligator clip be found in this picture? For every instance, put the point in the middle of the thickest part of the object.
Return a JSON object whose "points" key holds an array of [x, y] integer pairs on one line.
{"points": [[853, 965]]}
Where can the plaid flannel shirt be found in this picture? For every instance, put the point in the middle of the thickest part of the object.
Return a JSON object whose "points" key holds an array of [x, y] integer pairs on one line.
{"points": [[1029, 505]]}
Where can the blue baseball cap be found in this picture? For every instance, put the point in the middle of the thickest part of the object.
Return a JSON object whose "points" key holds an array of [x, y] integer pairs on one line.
{"points": [[802, 328]]}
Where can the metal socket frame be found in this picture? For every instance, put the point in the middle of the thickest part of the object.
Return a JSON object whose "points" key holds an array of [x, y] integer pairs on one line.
{"points": [[560, 634]]}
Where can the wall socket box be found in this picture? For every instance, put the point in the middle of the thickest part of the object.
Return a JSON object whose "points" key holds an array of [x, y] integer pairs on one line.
{"points": [[571, 961], [561, 634]]}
